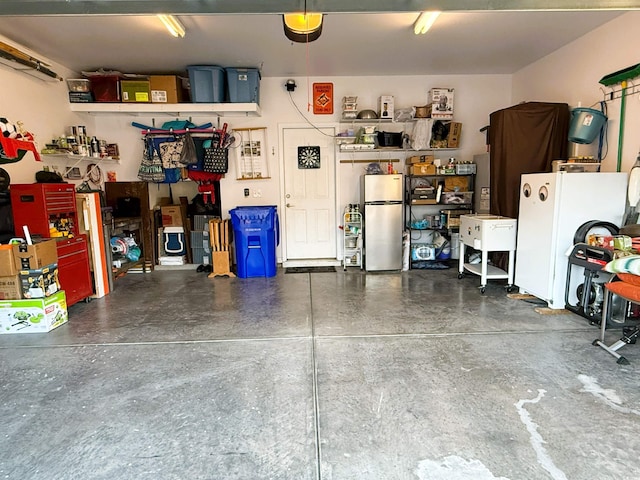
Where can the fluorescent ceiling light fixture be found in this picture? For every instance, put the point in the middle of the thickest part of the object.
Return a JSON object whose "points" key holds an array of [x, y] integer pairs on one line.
{"points": [[302, 27], [425, 22], [173, 25]]}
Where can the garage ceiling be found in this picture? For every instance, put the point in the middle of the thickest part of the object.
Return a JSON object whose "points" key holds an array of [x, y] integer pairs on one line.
{"points": [[358, 38]]}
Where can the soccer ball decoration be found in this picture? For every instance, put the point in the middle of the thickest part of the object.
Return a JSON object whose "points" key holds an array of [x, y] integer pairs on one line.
{"points": [[8, 129]]}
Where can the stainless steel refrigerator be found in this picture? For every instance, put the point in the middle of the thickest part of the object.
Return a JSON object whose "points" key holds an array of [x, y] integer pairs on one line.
{"points": [[381, 200]]}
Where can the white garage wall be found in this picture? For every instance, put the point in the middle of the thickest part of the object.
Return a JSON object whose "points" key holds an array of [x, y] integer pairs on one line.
{"points": [[571, 75], [44, 109], [42, 106], [476, 97]]}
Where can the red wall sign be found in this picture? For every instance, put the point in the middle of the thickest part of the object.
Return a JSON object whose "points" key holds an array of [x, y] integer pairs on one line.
{"points": [[323, 98]]}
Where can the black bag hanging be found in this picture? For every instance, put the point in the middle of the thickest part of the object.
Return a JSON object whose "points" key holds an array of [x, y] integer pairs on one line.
{"points": [[188, 155], [216, 160]]}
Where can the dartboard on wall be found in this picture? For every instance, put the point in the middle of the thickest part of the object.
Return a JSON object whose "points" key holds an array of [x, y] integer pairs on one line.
{"points": [[308, 157]]}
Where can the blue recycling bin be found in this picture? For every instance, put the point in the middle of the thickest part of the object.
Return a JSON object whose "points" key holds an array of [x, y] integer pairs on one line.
{"points": [[256, 233]]}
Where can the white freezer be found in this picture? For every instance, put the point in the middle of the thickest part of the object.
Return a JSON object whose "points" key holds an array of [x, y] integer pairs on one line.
{"points": [[552, 207]]}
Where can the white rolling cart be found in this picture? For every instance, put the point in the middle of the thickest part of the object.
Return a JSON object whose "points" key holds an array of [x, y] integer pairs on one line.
{"points": [[488, 233], [352, 252]]}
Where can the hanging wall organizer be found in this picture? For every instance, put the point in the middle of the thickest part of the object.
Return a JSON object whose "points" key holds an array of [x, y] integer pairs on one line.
{"points": [[251, 155], [621, 77]]}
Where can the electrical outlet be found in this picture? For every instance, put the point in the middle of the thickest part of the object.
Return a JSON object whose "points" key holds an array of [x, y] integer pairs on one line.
{"points": [[257, 193], [246, 192]]}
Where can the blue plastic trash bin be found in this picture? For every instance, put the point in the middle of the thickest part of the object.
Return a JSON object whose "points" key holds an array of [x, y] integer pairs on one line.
{"points": [[256, 233]]}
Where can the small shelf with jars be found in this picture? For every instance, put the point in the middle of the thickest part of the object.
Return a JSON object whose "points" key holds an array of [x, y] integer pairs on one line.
{"points": [[352, 226]]}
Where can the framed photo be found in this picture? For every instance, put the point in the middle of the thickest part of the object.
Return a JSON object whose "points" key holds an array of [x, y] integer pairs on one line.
{"points": [[251, 154]]}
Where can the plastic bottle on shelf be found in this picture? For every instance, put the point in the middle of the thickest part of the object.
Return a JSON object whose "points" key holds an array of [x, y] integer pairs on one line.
{"points": [[95, 147]]}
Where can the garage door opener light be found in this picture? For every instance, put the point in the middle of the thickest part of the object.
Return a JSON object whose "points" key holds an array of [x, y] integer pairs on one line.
{"points": [[302, 27]]}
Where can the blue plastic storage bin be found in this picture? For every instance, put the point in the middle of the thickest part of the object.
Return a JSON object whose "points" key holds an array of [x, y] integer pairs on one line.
{"points": [[256, 234], [243, 85], [207, 83]]}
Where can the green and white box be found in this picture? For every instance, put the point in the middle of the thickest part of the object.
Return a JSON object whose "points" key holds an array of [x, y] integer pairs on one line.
{"points": [[35, 315]]}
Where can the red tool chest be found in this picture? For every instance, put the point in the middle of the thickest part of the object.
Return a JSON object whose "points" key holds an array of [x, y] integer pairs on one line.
{"points": [[73, 268], [49, 210], [43, 206]]}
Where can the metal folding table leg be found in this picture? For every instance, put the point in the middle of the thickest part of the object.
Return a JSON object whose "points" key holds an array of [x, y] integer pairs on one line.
{"points": [[628, 335]]}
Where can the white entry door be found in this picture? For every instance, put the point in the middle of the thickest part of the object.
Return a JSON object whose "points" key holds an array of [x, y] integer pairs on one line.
{"points": [[309, 193]]}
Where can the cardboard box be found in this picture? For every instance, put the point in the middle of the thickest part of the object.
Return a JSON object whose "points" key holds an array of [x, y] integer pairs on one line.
{"points": [[419, 159], [451, 218], [40, 282], [453, 139], [456, 184], [7, 264], [423, 169], [38, 255], [386, 106], [135, 91], [171, 216], [166, 89], [10, 288], [33, 315], [441, 101]]}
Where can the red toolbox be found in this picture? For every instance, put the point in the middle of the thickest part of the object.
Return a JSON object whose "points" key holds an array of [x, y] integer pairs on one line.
{"points": [[73, 268], [49, 210]]}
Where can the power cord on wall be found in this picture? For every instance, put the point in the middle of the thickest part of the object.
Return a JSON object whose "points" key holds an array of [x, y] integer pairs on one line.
{"points": [[302, 114]]}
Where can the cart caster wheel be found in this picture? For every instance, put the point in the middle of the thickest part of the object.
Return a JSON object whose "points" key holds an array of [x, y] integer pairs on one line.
{"points": [[595, 342], [511, 289], [482, 290], [88, 299], [622, 361], [460, 276]]}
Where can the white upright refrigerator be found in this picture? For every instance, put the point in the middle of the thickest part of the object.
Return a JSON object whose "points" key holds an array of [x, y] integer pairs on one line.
{"points": [[552, 208], [381, 199]]}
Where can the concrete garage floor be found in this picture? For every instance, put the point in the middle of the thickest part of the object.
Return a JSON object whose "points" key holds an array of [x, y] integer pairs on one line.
{"points": [[330, 376]]}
